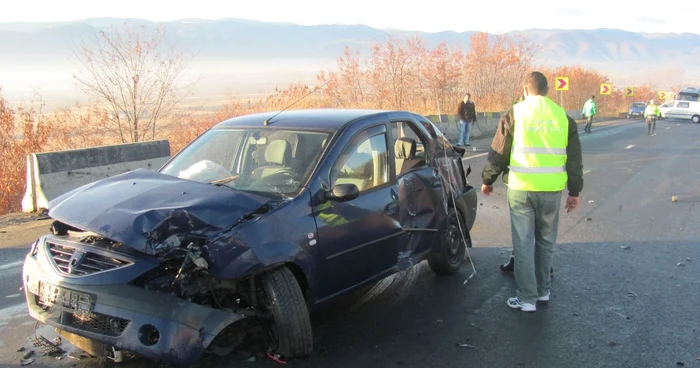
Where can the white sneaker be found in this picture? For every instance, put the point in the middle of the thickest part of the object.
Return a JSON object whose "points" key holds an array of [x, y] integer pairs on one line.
{"points": [[544, 298], [516, 304]]}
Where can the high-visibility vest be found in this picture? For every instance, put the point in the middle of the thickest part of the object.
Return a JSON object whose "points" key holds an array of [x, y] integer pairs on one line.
{"points": [[540, 137]]}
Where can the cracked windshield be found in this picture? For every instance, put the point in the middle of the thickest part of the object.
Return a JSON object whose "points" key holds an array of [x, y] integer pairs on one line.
{"points": [[258, 160]]}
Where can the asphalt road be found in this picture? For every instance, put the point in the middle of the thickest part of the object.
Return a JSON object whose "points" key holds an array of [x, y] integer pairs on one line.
{"points": [[625, 293]]}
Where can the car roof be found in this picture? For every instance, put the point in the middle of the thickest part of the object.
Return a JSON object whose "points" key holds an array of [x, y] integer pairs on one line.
{"points": [[324, 118]]}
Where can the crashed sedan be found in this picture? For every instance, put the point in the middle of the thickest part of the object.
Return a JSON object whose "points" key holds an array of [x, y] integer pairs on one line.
{"points": [[258, 222]]}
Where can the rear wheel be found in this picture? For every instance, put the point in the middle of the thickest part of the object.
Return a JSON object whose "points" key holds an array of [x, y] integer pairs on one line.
{"points": [[696, 119], [449, 254], [288, 330]]}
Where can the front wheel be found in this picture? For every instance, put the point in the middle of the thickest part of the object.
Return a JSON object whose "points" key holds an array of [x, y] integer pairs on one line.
{"points": [[288, 329], [696, 119], [449, 254]]}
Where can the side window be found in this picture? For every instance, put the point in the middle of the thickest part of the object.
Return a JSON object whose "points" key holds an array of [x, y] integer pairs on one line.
{"points": [[667, 104], [363, 163], [683, 105], [405, 155]]}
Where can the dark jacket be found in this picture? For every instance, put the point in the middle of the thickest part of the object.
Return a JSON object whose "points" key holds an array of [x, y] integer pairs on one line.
{"points": [[466, 111], [499, 155]]}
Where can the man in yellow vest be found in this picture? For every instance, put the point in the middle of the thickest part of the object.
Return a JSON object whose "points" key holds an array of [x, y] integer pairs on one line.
{"points": [[538, 151]]}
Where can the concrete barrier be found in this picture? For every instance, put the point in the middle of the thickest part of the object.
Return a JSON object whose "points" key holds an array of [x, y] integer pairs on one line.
{"points": [[486, 123], [50, 174]]}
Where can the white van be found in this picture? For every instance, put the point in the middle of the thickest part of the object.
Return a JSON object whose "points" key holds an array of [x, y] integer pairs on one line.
{"points": [[677, 109]]}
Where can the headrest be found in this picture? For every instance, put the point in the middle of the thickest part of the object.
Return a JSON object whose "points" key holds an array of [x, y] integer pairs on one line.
{"points": [[278, 152], [359, 164], [405, 148]]}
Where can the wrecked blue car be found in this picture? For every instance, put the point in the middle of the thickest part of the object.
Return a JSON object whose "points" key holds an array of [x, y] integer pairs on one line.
{"points": [[258, 222]]}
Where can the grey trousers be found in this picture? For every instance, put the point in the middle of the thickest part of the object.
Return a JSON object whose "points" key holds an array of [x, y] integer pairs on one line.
{"points": [[534, 219]]}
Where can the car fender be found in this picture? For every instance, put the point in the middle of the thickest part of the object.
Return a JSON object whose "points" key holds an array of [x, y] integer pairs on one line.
{"points": [[268, 256]]}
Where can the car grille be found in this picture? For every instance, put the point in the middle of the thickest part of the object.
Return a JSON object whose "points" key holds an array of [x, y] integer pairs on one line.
{"points": [[99, 323], [70, 261]]}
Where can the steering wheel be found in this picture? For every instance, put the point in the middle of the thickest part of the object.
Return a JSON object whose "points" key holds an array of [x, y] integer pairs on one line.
{"points": [[286, 171]]}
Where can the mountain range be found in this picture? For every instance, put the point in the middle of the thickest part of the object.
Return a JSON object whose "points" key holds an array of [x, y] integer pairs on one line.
{"points": [[263, 50]]}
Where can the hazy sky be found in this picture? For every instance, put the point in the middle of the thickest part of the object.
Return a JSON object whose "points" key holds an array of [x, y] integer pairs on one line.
{"points": [[437, 15]]}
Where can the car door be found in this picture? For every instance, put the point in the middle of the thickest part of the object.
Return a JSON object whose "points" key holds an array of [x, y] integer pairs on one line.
{"points": [[667, 109], [358, 237], [682, 110], [418, 186]]}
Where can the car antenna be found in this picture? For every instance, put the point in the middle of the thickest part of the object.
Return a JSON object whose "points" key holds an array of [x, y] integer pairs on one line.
{"points": [[267, 121]]}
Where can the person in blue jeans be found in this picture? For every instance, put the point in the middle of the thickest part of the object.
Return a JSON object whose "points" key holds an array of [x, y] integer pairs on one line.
{"points": [[467, 116]]}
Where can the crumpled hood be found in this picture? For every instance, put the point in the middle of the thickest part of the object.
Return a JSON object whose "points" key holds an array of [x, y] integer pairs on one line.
{"points": [[142, 208]]}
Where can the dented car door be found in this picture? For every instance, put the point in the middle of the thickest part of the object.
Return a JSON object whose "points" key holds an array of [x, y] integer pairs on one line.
{"points": [[358, 237]]}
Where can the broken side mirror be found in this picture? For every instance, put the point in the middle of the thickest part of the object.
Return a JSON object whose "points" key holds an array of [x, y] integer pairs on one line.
{"points": [[343, 193]]}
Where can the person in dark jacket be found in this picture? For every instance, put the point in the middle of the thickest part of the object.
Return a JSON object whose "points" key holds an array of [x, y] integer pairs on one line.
{"points": [[467, 116], [536, 185]]}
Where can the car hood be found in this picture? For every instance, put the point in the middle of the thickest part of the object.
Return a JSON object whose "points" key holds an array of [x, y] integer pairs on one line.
{"points": [[142, 208]]}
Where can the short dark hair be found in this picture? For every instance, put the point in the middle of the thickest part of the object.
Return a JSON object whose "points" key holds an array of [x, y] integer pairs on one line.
{"points": [[536, 83], [592, 97]]}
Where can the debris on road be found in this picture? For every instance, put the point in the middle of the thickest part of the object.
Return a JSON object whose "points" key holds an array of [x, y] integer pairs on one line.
{"points": [[680, 264], [466, 346], [50, 349], [688, 259], [589, 219], [591, 201], [439, 321], [625, 247], [680, 363], [674, 199], [631, 294], [275, 357], [24, 362], [28, 354]]}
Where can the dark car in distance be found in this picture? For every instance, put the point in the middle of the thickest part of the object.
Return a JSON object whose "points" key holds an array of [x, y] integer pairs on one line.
{"points": [[258, 222], [636, 110]]}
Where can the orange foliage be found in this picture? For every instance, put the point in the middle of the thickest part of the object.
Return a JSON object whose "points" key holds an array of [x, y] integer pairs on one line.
{"points": [[22, 131], [397, 74]]}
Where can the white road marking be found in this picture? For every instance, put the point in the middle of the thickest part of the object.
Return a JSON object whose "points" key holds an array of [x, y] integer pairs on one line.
{"points": [[13, 296], [667, 128], [475, 156], [11, 265], [586, 171], [630, 146], [12, 312]]}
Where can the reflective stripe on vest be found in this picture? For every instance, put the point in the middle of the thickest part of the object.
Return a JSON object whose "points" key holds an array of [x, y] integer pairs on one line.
{"points": [[540, 137]]}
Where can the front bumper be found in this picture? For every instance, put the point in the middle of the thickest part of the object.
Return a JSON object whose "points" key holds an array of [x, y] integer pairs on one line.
{"points": [[122, 315]]}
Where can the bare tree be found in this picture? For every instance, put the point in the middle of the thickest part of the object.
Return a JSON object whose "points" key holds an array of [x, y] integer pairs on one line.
{"points": [[134, 73]]}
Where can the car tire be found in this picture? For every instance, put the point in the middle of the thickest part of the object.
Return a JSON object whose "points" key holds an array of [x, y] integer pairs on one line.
{"points": [[289, 332], [696, 119], [447, 257]]}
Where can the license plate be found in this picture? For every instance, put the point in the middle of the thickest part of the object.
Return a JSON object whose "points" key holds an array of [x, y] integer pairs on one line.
{"points": [[76, 301]]}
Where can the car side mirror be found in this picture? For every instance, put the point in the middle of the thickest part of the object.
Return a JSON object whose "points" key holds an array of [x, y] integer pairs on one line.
{"points": [[343, 193]]}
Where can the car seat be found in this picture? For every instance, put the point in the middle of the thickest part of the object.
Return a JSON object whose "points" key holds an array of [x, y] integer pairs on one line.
{"points": [[405, 155], [357, 170], [278, 155]]}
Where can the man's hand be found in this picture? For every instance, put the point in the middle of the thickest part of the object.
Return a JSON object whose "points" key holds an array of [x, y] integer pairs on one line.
{"points": [[486, 189], [571, 203]]}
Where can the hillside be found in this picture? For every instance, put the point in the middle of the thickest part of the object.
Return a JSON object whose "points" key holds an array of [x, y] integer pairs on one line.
{"points": [[252, 56]]}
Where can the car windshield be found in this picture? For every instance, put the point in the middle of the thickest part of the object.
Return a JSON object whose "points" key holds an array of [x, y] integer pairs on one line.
{"points": [[267, 161], [638, 105]]}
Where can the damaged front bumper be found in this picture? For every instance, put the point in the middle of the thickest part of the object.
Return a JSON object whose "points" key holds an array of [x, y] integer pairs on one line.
{"points": [[154, 325]]}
